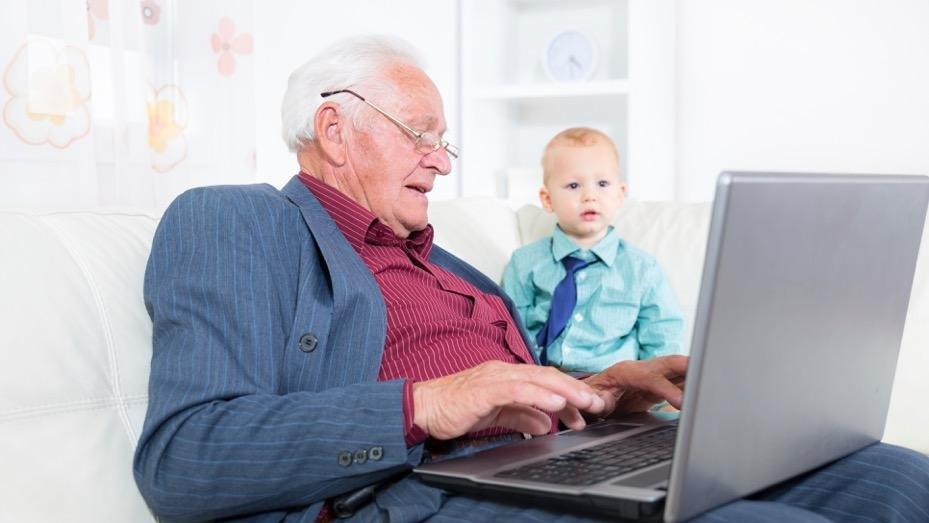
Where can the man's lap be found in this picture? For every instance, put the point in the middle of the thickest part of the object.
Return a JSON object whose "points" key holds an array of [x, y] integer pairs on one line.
{"points": [[879, 483]]}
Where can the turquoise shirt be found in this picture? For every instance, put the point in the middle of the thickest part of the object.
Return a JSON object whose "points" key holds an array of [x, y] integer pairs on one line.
{"points": [[625, 308]]}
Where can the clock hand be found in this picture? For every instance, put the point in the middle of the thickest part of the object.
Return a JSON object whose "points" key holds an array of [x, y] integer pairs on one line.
{"points": [[574, 67]]}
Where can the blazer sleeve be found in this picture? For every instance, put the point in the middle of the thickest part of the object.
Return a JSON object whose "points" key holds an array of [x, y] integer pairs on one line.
{"points": [[221, 436]]}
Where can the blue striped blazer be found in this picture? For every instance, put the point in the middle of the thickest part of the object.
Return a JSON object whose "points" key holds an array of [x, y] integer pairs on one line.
{"points": [[268, 336]]}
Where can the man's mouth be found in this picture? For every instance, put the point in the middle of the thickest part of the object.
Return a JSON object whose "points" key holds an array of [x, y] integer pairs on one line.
{"points": [[589, 215], [420, 188]]}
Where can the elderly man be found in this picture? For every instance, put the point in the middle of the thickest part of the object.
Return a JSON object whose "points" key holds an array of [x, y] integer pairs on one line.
{"points": [[311, 342]]}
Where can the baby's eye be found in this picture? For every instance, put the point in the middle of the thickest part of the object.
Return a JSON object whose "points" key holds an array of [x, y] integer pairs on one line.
{"points": [[573, 185], [603, 183]]}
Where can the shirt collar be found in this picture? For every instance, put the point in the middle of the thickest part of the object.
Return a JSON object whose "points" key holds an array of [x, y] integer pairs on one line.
{"points": [[359, 225], [605, 250]]}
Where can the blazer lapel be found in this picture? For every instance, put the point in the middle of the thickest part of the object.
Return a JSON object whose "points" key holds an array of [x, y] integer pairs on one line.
{"points": [[350, 276], [354, 289]]}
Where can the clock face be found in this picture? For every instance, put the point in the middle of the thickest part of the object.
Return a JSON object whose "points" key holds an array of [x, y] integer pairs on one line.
{"points": [[570, 56]]}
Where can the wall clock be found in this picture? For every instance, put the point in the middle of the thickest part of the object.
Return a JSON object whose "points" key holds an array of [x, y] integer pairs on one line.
{"points": [[570, 56]]}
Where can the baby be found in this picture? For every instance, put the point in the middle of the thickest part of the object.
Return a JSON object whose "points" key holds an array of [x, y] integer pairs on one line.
{"points": [[589, 298]]}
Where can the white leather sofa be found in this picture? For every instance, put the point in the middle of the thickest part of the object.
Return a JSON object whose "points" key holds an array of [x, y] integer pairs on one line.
{"points": [[76, 340]]}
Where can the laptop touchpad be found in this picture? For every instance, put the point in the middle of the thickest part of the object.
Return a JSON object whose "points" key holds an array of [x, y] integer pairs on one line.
{"points": [[600, 430], [652, 478]]}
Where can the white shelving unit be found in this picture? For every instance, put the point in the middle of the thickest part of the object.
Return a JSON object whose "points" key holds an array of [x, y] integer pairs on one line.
{"points": [[553, 90], [510, 108]]}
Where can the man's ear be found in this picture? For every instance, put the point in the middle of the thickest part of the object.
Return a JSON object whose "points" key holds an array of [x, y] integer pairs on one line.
{"points": [[546, 198], [624, 188], [330, 133]]}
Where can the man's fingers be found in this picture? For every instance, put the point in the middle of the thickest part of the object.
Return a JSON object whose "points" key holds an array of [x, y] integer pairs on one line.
{"points": [[572, 418], [530, 394], [666, 390], [544, 388], [526, 394], [577, 393], [609, 401], [524, 419], [500, 393], [676, 365]]}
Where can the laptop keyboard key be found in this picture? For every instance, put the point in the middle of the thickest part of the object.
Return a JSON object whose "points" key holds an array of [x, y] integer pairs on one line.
{"points": [[598, 463]]}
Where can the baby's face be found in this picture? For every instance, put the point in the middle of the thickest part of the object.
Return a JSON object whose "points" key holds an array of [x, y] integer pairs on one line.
{"points": [[584, 190]]}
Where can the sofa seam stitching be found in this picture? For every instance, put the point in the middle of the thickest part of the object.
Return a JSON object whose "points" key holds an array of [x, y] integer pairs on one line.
{"points": [[105, 320], [91, 404], [102, 213]]}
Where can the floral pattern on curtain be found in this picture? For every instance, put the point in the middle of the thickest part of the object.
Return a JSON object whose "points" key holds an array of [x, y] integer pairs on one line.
{"points": [[124, 102]]}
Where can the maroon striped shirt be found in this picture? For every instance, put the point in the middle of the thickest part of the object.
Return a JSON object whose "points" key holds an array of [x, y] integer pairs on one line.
{"points": [[437, 323]]}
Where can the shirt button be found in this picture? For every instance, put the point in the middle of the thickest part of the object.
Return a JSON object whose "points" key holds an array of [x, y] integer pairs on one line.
{"points": [[376, 453], [565, 350], [345, 458], [308, 342], [579, 317], [582, 276], [361, 456]]}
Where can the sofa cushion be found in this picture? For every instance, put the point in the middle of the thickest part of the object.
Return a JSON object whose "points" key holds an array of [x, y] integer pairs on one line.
{"points": [[74, 364], [481, 231]]}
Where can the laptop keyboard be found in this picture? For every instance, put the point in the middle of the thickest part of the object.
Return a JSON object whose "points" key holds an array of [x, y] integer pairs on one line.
{"points": [[595, 464]]}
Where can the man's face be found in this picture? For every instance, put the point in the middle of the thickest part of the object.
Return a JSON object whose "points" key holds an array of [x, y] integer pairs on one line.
{"points": [[393, 176], [584, 190]]}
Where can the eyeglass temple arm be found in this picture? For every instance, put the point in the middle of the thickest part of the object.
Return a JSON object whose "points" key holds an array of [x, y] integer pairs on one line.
{"points": [[376, 108]]}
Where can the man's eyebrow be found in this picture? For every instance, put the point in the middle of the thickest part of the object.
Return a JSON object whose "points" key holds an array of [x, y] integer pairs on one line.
{"points": [[428, 122]]}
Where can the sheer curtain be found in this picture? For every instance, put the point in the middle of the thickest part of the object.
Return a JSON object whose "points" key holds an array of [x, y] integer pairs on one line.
{"points": [[124, 102]]}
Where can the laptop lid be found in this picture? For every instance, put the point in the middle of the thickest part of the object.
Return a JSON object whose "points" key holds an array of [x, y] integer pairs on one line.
{"points": [[804, 295]]}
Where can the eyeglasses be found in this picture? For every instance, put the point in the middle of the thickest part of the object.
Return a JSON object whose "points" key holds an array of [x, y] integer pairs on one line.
{"points": [[425, 142]]}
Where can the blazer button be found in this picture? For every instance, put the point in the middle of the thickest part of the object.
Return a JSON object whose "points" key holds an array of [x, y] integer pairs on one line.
{"points": [[345, 458], [308, 342], [361, 456], [376, 453]]}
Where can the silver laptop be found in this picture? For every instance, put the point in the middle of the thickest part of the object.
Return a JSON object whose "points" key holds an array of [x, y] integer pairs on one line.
{"points": [[805, 290]]}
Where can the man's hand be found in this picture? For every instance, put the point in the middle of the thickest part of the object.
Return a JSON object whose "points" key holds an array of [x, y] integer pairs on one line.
{"points": [[505, 395], [635, 386]]}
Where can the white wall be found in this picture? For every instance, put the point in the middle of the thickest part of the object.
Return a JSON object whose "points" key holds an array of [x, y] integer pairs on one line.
{"points": [[821, 85], [287, 33], [827, 85]]}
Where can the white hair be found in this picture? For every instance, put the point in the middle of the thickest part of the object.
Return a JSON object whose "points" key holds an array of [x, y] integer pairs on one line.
{"points": [[356, 63]]}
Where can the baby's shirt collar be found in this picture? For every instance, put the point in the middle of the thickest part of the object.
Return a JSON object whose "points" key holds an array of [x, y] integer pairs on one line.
{"points": [[605, 249]]}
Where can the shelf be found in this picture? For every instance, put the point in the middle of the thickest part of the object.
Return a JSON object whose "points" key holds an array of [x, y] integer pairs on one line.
{"points": [[510, 108], [553, 90]]}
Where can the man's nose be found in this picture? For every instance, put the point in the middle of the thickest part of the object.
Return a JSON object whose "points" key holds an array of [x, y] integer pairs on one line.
{"points": [[438, 160]]}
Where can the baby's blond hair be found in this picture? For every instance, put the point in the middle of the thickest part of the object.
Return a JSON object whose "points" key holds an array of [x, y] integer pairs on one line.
{"points": [[576, 137]]}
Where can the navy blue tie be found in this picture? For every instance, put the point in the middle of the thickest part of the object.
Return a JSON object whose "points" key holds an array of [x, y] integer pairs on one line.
{"points": [[564, 298]]}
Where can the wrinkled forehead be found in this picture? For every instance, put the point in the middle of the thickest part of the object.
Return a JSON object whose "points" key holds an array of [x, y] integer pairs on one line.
{"points": [[415, 96]]}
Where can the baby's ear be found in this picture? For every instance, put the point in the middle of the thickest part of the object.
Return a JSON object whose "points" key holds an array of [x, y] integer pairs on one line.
{"points": [[545, 198]]}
